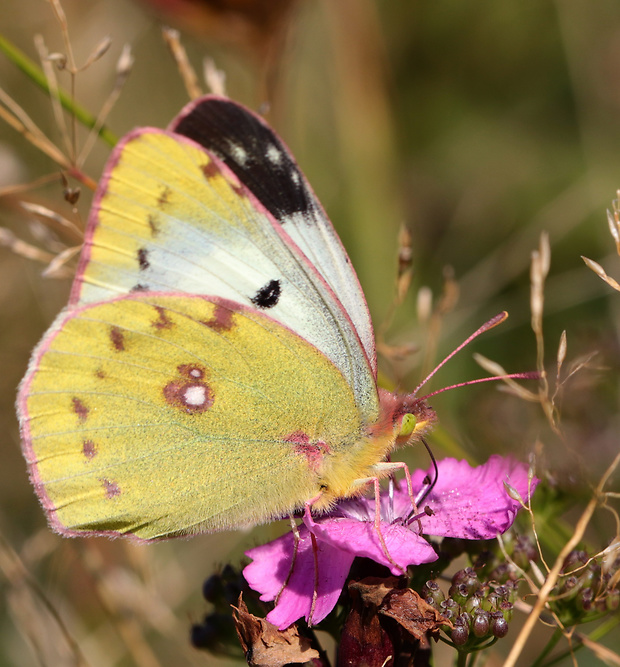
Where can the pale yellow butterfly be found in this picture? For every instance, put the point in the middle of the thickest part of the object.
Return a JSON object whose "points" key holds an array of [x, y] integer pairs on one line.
{"points": [[215, 366]]}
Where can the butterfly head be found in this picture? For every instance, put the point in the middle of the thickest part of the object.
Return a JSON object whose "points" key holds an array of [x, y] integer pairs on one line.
{"points": [[410, 417]]}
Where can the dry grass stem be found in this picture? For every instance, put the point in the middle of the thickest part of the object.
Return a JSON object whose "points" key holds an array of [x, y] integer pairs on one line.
{"points": [[402, 283], [47, 63], [14, 190], [604, 654], [614, 228], [123, 70], [53, 218], [187, 72], [600, 272], [214, 78], [514, 387], [98, 52], [64, 29], [541, 263], [23, 249], [18, 119], [70, 66], [561, 358], [57, 267]]}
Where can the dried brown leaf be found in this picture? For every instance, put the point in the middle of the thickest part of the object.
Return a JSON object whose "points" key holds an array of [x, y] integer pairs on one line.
{"points": [[266, 646], [373, 590], [413, 614]]}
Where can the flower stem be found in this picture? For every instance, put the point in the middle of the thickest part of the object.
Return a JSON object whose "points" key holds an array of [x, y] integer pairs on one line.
{"points": [[461, 660]]}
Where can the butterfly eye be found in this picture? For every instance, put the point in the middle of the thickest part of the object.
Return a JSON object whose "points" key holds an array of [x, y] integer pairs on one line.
{"points": [[407, 425]]}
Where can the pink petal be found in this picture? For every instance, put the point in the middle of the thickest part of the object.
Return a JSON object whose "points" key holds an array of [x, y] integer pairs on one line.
{"points": [[270, 568], [360, 538], [472, 503]]}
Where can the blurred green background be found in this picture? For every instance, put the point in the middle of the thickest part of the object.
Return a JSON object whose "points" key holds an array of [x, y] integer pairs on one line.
{"points": [[476, 124]]}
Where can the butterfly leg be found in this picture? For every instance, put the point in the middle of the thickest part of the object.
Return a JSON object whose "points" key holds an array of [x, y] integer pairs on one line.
{"points": [[315, 592], [315, 555], [375, 481], [384, 548], [399, 465], [296, 540], [414, 514]]}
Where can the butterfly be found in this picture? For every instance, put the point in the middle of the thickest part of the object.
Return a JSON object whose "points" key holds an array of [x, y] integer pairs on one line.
{"points": [[215, 367]]}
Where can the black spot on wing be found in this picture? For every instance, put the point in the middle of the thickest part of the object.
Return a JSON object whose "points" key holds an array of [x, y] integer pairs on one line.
{"points": [[253, 152], [143, 260], [268, 295]]}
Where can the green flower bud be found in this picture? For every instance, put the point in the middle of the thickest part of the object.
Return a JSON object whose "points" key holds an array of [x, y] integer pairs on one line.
{"points": [[460, 594], [431, 591], [507, 609], [474, 601], [491, 602]]}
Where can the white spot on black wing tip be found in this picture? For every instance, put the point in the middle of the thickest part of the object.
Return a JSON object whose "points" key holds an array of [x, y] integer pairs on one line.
{"points": [[238, 153], [268, 295], [274, 154]]}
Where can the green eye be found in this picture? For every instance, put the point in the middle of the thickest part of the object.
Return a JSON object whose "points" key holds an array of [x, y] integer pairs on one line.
{"points": [[408, 424]]}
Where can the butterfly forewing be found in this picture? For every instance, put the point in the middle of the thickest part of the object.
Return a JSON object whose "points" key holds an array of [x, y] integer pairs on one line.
{"points": [[262, 162], [172, 218], [158, 415]]}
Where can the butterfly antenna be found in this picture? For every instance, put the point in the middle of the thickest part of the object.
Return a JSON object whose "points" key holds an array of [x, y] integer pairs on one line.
{"points": [[493, 322], [531, 375]]}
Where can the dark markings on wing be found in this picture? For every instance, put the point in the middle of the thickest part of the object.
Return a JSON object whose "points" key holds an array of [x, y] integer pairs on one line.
{"points": [[117, 339], [143, 259], [268, 295], [253, 152]]}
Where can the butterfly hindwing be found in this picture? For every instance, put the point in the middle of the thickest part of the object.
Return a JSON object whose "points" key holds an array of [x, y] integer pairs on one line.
{"points": [[158, 415], [170, 217]]}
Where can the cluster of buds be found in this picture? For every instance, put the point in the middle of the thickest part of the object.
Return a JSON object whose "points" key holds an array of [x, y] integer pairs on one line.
{"points": [[479, 602], [478, 611], [587, 589]]}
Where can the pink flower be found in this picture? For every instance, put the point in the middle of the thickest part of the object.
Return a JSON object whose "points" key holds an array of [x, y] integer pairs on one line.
{"points": [[469, 503]]}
